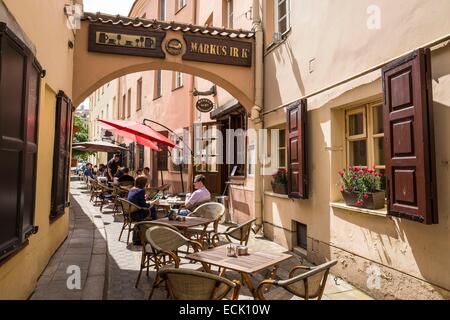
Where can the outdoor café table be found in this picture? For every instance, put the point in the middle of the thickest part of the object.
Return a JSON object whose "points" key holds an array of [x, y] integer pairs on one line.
{"points": [[247, 265], [189, 223], [167, 205]]}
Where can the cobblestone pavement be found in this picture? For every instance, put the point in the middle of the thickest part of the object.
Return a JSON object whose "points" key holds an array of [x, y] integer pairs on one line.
{"points": [[123, 260]]}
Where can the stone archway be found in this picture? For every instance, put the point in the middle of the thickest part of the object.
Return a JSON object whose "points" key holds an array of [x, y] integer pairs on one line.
{"points": [[224, 57]]}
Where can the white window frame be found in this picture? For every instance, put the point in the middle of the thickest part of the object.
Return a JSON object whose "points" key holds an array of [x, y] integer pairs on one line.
{"points": [[230, 14], [278, 18], [162, 10], [178, 79]]}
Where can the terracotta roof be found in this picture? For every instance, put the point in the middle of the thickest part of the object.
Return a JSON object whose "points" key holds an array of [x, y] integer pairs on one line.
{"points": [[165, 25]]}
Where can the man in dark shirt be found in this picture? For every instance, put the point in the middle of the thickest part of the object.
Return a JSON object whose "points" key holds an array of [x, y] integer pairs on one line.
{"points": [[88, 172], [113, 166], [126, 176]]}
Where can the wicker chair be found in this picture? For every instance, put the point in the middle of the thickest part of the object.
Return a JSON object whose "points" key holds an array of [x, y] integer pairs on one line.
{"points": [[193, 285], [96, 190], [147, 258], [165, 242], [308, 285], [127, 209], [240, 232], [107, 196], [210, 210], [118, 194]]}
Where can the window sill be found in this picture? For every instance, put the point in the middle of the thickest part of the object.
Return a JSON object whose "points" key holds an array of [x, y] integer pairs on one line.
{"points": [[178, 88], [14, 252], [276, 195], [156, 98], [272, 46], [342, 205]]}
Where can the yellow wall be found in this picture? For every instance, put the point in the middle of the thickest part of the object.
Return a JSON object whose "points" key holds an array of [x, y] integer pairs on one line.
{"points": [[44, 24]]}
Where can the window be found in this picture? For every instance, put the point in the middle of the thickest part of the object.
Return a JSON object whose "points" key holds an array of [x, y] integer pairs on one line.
{"points": [[236, 144], [20, 79], [365, 137], [177, 153], [230, 14], [162, 10], [158, 84], [129, 104], [178, 80], [282, 16], [61, 157], [124, 103], [132, 149], [282, 149], [141, 160], [302, 235], [206, 148], [251, 160], [139, 95], [180, 4]]}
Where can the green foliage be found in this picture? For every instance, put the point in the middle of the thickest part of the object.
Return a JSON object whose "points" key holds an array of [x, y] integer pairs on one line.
{"points": [[280, 177], [81, 135]]}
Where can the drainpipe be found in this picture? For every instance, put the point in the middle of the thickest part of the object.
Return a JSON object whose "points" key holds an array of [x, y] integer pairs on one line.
{"points": [[191, 108], [256, 112]]}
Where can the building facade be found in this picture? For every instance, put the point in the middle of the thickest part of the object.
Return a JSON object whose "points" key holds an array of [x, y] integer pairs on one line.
{"points": [[103, 104], [35, 126], [311, 45], [168, 97]]}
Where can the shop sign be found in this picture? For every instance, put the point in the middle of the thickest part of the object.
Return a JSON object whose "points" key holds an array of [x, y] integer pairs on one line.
{"points": [[218, 50], [119, 40], [205, 105]]}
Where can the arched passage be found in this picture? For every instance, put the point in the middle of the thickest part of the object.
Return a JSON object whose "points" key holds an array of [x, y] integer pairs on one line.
{"points": [[94, 69]]}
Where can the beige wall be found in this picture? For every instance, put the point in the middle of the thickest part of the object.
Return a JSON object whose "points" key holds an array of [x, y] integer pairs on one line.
{"points": [[44, 24], [413, 258]]}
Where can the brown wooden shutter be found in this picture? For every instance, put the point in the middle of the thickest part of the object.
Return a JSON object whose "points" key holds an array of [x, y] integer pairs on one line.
{"points": [[163, 155], [20, 76], [61, 157], [409, 138], [297, 150]]}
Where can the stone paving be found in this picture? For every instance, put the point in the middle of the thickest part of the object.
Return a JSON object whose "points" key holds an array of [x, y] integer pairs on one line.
{"points": [[111, 274]]}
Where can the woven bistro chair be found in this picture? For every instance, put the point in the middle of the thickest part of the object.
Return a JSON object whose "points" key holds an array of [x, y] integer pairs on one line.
{"points": [[147, 258], [185, 284], [96, 190], [210, 210], [163, 243], [118, 193], [240, 233], [310, 284], [107, 196], [127, 209]]}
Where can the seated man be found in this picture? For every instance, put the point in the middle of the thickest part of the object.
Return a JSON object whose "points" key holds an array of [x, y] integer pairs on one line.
{"points": [[88, 172], [138, 197], [126, 177], [198, 197]]}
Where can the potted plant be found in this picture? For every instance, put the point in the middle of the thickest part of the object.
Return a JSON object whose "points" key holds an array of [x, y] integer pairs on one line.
{"points": [[361, 187], [280, 181]]}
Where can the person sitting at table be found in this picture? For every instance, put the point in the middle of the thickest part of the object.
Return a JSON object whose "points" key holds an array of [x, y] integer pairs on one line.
{"points": [[88, 172], [200, 196], [137, 196], [139, 173], [101, 171], [126, 177]]}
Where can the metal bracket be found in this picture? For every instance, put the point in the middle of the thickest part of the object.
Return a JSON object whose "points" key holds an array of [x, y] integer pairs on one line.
{"points": [[212, 91]]}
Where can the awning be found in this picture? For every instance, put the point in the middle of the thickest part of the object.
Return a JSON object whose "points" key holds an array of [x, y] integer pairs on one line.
{"points": [[97, 146], [137, 132]]}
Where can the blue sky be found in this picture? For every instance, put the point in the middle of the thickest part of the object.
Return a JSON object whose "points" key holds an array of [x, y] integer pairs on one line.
{"points": [[121, 7]]}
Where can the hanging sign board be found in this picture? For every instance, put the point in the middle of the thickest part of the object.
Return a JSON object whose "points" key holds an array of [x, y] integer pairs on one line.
{"points": [[205, 105], [218, 50], [121, 40]]}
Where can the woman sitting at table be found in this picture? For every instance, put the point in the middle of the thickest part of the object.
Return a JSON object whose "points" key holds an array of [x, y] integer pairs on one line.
{"points": [[138, 197]]}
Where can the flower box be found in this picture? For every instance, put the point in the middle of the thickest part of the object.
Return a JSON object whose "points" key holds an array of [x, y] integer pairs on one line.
{"points": [[279, 188], [373, 201]]}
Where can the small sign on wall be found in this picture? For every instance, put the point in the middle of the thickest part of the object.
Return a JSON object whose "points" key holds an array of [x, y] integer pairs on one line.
{"points": [[205, 105]]}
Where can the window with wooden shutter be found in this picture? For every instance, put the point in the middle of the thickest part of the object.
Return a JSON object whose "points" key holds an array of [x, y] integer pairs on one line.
{"points": [[163, 155], [61, 156], [20, 75], [132, 148], [296, 128], [409, 138], [141, 156]]}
